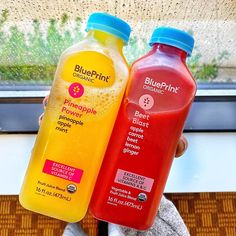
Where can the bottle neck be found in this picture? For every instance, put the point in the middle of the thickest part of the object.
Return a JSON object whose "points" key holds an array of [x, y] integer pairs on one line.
{"points": [[107, 39], [167, 49]]}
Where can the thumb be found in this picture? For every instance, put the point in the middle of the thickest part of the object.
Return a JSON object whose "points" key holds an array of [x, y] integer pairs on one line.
{"points": [[182, 146]]}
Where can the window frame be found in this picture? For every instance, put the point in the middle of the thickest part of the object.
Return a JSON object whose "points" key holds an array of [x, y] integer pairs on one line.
{"points": [[212, 109]]}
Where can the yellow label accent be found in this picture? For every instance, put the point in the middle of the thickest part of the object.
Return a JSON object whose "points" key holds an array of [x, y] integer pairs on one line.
{"points": [[89, 68]]}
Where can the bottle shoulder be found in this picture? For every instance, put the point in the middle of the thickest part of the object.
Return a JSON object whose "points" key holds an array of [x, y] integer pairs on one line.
{"points": [[91, 45], [88, 44], [91, 54], [161, 62], [151, 60]]}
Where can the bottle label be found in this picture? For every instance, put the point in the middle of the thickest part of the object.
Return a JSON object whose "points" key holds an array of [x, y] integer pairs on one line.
{"points": [[62, 171], [151, 119], [160, 87], [82, 100], [89, 68], [138, 128], [134, 180], [89, 78]]}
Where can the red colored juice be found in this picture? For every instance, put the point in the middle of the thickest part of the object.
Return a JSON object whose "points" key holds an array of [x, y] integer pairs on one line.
{"points": [[144, 139]]}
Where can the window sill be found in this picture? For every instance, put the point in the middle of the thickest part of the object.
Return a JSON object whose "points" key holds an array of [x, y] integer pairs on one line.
{"points": [[207, 166], [214, 109]]}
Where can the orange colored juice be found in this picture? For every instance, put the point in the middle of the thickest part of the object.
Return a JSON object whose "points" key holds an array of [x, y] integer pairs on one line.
{"points": [[84, 100]]}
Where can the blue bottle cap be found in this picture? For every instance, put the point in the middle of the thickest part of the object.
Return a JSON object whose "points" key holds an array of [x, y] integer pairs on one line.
{"points": [[173, 37], [110, 24]]}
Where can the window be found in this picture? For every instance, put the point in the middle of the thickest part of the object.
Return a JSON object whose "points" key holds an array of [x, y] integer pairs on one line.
{"points": [[33, 34]]}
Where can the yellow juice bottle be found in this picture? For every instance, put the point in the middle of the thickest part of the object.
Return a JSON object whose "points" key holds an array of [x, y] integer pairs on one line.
{"points": [[84, 100]]}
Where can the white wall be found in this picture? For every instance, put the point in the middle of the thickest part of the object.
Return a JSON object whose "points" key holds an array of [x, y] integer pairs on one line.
{"points": [[208, 165]]}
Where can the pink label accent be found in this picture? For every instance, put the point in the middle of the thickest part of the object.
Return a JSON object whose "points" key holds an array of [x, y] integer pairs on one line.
{"points": [[146, 101], [76, 90], [62, 171], [134, 180]]}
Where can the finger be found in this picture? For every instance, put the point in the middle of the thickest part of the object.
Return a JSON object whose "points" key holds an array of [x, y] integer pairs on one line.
{"points": [[40, 118], [182, 146], [45, 101]]}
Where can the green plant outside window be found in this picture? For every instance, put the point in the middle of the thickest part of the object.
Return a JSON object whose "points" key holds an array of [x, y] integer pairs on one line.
{"points": [[31, 58]]}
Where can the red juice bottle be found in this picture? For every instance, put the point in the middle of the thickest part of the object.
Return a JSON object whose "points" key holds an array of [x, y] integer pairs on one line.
{"points": [[149, 124]]}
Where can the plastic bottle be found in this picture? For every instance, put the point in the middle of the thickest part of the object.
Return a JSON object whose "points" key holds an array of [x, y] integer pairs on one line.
{"points": [[145, 136], [89, 84]]}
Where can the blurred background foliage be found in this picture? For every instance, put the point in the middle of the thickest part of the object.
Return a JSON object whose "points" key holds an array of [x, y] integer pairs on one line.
{"points": [[31, 57]]}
